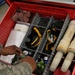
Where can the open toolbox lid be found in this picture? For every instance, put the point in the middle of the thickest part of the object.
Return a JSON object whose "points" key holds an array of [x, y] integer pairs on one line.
{"points": [[59, 3]]}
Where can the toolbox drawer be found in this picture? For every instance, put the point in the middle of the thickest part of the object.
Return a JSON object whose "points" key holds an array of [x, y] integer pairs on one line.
{"points": [[52, 13]]}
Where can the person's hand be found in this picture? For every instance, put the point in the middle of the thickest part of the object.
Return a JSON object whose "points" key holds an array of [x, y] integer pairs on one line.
{"points": [[10, 50], [29, 60]]}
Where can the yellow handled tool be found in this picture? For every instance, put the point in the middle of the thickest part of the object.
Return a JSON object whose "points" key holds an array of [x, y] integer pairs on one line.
{"points": [[38, 39]]}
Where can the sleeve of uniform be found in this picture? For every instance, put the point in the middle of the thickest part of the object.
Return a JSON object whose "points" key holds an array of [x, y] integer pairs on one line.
{"points": [[24, 69], [19, 69]]}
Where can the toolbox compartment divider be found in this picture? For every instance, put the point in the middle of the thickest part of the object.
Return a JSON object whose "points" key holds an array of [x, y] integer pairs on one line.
{"points": [[28, 32], [39, 49], [65, 25]]}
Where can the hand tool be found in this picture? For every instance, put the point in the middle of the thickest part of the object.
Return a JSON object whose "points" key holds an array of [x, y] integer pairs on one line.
{"points": [[68, 60], [63, 45]]}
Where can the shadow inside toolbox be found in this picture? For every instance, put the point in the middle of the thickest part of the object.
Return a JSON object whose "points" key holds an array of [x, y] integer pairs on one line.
{"points": [[42, 21]]}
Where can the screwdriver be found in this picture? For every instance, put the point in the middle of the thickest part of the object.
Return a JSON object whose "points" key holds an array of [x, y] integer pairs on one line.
{"points": [[68, 60], [63, 45]]}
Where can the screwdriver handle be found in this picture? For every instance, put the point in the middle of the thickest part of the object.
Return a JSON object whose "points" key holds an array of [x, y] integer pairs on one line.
{"points": [[68, 60], [64, 43]]}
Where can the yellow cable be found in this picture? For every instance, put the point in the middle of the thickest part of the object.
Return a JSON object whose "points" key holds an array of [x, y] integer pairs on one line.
{"points": [[49, 39], [39, 37], [38, 42], [34, 41], [47, 46], [53, 29], [36, 30]]}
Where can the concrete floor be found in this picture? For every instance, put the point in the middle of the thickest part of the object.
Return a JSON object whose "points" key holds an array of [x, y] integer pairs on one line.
{"points": [[3, 10]]}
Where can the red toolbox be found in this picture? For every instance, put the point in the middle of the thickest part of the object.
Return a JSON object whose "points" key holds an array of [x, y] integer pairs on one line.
{"points": [[53, 10], [73, 71]]}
